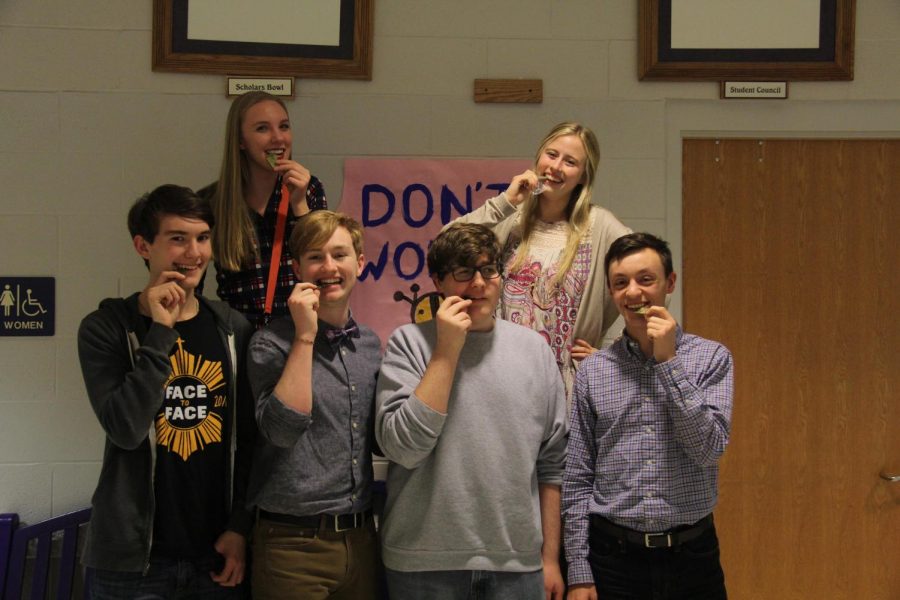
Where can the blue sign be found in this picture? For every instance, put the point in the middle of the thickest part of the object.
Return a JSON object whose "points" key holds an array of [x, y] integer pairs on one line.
{"points": [[27, 306]]}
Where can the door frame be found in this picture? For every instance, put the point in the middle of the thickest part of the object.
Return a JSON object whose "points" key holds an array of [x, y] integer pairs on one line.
{"points": [[844, 119]]}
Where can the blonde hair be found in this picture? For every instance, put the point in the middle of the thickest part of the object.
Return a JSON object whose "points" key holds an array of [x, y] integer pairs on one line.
{"points": [[313, 230], [578, 209], [234, 238]]}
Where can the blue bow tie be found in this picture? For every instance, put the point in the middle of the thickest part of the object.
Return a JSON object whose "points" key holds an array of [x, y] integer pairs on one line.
{"points": [[336, 334]]}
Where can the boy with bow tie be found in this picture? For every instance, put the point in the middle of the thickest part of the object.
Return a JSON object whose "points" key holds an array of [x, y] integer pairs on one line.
{"points": [[313, 376]]}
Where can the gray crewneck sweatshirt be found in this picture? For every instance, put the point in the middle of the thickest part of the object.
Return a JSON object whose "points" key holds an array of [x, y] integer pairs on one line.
{"points": [[463, 487]]}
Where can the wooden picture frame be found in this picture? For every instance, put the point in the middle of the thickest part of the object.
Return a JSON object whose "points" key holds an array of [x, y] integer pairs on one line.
{"points": [[831, 60], [351, 59]]}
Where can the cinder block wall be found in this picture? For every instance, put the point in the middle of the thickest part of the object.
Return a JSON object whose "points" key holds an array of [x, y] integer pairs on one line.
{"points": [[87, 127]]}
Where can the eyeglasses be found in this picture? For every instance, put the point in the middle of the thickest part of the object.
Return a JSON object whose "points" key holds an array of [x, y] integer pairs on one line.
{"points": [[463, 274]]}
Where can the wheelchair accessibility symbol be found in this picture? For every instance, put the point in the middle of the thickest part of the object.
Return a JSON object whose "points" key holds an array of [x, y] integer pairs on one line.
{"points": [[27, 305]]}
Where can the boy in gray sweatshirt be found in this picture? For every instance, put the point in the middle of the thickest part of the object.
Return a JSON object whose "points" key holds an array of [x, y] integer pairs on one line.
{"points": [[472, 413]]}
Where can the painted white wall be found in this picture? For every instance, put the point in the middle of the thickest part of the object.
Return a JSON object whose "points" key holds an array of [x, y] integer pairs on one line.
{"points": [[87, 127]]}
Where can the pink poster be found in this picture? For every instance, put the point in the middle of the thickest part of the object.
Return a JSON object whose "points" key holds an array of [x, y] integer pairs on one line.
{"points": [[402, 205]]}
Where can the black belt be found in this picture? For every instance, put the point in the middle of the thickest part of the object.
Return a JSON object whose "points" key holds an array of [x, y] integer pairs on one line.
{"points": [[666, 539], [336, 523]]}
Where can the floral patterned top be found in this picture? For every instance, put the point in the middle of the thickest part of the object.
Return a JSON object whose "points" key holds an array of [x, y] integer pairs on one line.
{"points": [[530, 298]]}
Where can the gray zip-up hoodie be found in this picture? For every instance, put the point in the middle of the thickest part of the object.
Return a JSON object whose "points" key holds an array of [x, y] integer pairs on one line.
{"points": [[125, 366]]}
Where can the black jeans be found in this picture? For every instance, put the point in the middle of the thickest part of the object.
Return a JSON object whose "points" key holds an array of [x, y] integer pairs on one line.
{"points": [[165, 580], [690, 571]]}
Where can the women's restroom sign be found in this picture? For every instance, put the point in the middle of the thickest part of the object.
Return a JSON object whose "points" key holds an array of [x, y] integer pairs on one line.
{"points": [[27, 306]]}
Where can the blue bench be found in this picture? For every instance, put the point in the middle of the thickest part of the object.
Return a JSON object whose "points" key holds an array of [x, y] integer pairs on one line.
{"points": [[14, 545], [8, 524]]}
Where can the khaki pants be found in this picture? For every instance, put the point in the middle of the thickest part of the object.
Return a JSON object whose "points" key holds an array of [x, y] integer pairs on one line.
{"points": [[306, 564]]}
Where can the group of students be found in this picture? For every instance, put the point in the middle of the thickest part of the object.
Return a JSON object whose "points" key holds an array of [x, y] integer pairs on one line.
{"points": [[240, 434]]}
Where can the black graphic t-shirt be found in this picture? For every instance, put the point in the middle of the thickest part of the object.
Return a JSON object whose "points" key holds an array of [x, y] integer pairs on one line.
{"points": [[192, 429]]}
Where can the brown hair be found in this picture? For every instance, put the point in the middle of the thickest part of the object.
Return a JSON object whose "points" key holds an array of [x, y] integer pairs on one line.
{"points": [[461, 245], [314, 229], [635, 242]]}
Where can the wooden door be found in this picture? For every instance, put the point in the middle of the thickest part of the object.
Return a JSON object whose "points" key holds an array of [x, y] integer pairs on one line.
{"points": [[791, 257]]}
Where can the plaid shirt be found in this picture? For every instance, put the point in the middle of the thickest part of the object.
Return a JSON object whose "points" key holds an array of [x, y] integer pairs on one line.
{"points": [[644, 441], [245, 290]]}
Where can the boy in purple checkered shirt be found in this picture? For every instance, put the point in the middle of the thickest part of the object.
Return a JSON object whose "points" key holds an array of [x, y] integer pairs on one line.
{"points": [[650, 419]]}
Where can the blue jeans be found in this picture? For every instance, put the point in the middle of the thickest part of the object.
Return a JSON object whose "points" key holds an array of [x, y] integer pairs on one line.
{"points": [[465, 585], [691, 571], [166, 579]]}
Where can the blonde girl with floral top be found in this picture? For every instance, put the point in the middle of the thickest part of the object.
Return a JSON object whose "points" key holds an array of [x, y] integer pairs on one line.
{"points": [[553, 239]]}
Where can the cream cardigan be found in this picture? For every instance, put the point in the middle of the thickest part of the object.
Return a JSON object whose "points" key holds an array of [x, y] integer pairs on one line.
{"points": [[597, 311]]}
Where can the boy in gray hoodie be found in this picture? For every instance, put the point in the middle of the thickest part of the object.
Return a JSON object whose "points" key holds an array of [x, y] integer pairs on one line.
{"points": [[164, 372]]}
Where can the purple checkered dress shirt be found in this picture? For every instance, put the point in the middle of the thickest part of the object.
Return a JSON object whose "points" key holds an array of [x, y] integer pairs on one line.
{"points": [[245, 290], [644, 440]]}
